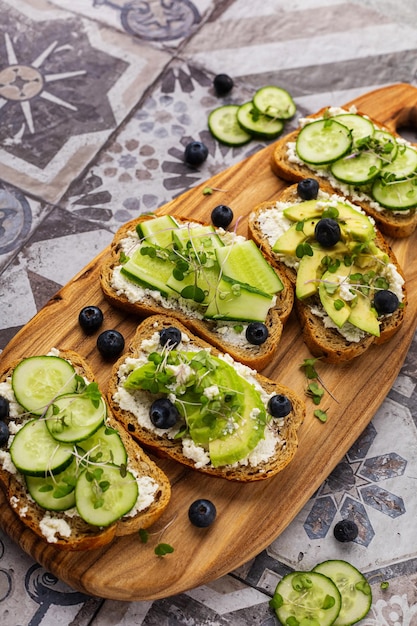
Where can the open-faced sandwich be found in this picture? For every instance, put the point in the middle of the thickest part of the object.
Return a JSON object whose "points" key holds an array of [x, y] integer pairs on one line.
{"points": [[361, 159], [349, 289], [183, 399], [213, 281], [70, 472]]}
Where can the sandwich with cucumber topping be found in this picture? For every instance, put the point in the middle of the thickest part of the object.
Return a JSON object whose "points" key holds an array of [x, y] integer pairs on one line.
{"points": [[70, 472], [181, 398], [349, 288], [373, 167], [215, 282]]}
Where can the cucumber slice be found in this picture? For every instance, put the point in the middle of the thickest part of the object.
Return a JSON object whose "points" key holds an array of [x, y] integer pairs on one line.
{"points": [[105, 446], [103, 494], [74, 417], [274, 102], [323, 141], [54, 493], [387, 147], [308, 598], [257, 124], [238, 301], [359, 126], [399, 196], [35, 452], [355, 590], [150, 272], [224, 127], [404, 164], [197, 238], [157, 231], [37, 380], [244, 262], [357, 169]]}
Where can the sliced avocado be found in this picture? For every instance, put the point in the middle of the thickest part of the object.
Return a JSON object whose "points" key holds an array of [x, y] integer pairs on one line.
{"points": [[363, 316], [331, 300], [354, 225], [288, 242], [303, 211], [310, 269]]}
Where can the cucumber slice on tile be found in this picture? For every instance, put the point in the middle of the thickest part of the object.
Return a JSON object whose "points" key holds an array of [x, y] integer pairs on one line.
{"points": [[257, 124], [224, 127], [35, 452], [306, 598], [274, 102], [399, 196], [37, 380], [74, 417], [354, 589], [54, 493], [359, 126], [157, 231], [357, 169], [323, 141], [104, 494], [404, 164]]}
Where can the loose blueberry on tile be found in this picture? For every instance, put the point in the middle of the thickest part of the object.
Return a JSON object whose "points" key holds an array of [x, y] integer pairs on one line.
{"points": [[196, 152], [385, 301], [257, 333], [223, 83], [308, 189], [4, 407], [170, 337], [4, 433], [279, 405], [163, 413], [90, 318], [345, 530], [221, 216], [110, 343], [202, 513]]}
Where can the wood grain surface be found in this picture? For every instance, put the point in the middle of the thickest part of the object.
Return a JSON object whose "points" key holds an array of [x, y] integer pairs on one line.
{"points": [[250, 516]]}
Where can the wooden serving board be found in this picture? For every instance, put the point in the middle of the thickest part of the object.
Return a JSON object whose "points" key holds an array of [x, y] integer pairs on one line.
{"points": [[250, 516]]}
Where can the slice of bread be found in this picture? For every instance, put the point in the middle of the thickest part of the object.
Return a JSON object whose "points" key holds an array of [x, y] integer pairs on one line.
{"points": [[219, 333], [396, 224], [135, 417], [327, 343], [83, 536]]}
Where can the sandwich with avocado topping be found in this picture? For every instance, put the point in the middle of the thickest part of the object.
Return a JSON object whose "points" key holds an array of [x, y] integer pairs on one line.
{"points": [[349, 288], [181, 398]]}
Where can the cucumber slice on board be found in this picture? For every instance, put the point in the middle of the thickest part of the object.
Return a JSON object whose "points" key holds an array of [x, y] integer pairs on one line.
{"points": [[308, 598], [157, 231], [54, 493], [37, 380], [257, 124], [357, 169], [359, 126], [274, 102], [323, 141], [103, 494], [404, 164], [35, 452], [224, 127], [399, 196], [354, 589], [74, 417]]}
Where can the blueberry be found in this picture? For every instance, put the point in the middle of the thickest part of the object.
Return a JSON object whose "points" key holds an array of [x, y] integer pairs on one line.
{"points": [[308, 189], [256, 333], [385, 301], [221, 216], [223, 84], [279, 405], [110, 343], [202, 513], [195, 153], [4, 433], [327, 232], [345, 530], [163, 413], [4, 407], [90, 319], [170, 337]]}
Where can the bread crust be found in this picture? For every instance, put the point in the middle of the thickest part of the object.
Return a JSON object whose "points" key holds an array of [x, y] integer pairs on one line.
{"points": [[397, 225], [172, 448], [85, 536], [326, 343], [254, 356]]}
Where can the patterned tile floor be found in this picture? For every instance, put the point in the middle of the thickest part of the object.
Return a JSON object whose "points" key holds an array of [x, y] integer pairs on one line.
{"points": [[97, 100]]}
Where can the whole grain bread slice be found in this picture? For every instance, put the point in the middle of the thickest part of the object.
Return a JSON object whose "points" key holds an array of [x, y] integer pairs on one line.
{"points": [[326, 343], [84, 536], [396, 224], [256, 356], [163, 446]]}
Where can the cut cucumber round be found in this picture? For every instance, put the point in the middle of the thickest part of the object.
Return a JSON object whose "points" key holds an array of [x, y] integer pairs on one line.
{"points": [[54, 493], [223, 125], [37, 380], [357, 169], [386, 146], [105, 446], [103, 494], [274, 102], [323, 141], [35, 452], [353, 587], [256, 124], [74, 417], [399, 196], [404, 164], [306, 598], [359, 126]]}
